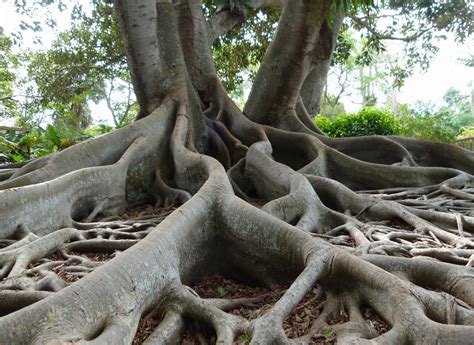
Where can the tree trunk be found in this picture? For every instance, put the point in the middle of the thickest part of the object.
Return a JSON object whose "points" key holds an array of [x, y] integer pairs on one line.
{"points": [[315, 82], [370, 223]]}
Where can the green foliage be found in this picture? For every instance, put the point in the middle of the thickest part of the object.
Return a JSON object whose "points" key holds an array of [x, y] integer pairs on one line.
{"points": [[21, 146], [17, 147], [77, 67], [328, 333], [245, 338], [324, 123], [417, 24], [97, 130], [423, 121], [302, 315], [246, 45], [452, 16], [331, 107], [8, 63], [445, 123], [467, 133], [459, 106], [9, 150], [428, 126], [84, 64], [368, 121], [53, 135], [221, 291], [373, 73]]}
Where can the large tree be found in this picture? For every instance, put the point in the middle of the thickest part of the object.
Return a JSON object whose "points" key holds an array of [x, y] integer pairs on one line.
{"points": [[264, 197]]}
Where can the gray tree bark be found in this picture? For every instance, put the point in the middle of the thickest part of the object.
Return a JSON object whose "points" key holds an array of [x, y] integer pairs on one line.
{"points": [[315, 82], [260, 196]]}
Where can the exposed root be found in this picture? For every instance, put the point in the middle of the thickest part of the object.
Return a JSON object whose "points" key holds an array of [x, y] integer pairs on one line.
{"points": [[33, 267], [13, 300], [35, 250], [357, 262]]}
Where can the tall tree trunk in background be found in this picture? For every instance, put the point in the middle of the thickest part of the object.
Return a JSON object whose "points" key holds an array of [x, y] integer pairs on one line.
{"points": [[259, 196], [315, 82]]}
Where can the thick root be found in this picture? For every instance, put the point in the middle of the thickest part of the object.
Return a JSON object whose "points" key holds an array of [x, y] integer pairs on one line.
{"points": [[309, 228]]}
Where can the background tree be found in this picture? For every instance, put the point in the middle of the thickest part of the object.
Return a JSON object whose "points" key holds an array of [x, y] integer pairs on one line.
{"points": [[362, 76], [444, 123], [263, 198], [85, 63], [8, 62]]}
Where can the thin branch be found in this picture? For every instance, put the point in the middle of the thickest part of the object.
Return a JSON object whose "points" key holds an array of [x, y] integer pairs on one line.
{"points": [[381, 36]]}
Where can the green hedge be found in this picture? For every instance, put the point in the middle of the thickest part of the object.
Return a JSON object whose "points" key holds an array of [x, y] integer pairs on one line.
{"points": [[368, 121]]}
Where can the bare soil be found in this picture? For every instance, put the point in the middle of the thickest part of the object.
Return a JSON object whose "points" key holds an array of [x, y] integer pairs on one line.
{"points": [[297, 324]]}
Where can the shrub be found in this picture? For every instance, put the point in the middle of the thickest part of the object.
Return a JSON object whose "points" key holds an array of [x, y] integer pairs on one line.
{"points": [[368, 121], [467, 133], [17, 147], [429, 126], [427, 121]]}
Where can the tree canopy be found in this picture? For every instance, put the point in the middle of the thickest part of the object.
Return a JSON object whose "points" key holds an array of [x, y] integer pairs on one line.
{"points": [[84, 61]]}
